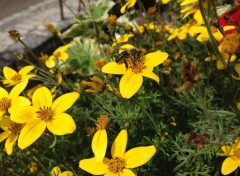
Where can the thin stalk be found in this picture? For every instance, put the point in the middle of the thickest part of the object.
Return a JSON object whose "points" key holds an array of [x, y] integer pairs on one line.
{"points": [[69, 8], [29, 50], [212, 39]]}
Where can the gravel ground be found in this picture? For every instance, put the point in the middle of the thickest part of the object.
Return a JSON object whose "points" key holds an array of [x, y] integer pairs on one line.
{"points": [[8, 7]]}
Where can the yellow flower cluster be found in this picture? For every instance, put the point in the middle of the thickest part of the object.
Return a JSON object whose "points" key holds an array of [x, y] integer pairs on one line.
{"points": [[25, 121]]}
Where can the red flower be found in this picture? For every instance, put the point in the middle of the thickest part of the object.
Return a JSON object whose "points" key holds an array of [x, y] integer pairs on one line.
{"points": [[230, 18]]}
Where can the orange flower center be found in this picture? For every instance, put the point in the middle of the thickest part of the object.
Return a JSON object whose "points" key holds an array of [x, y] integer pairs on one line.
{"points": [[15, 128], [102, 122], [57, 54], [45, 113], [236, 153], [137, 66], [16, 78], [116, 165], [214, 29], [5, 103]]}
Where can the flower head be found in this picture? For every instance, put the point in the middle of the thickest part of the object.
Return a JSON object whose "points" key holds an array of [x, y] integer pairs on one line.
{"points": [[10, 132], [10, 102], [134, 69], [59, 55], [12, 77], [129, 4], [45, 113], [122, 39], [232, 162], [121, 161], [56, 171]]}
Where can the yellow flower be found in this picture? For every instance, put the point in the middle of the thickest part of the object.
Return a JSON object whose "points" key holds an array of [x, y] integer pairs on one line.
{"points": [[57, 172], [232, 162], [129, 4], [203, 33], [10, 132], [12, 77], [132, 78], [10, 102], [44, 113], [121, 161], [191, 7], [166, 1], [59, 55], [226, 58], [122, 39], [181, 32], [99, 141]]}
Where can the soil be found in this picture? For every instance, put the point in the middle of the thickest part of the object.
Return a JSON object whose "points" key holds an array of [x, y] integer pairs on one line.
{"points": [[9, 7]]}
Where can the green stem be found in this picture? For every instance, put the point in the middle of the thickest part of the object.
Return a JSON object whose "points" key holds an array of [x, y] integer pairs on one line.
{"points": [[212, 39]]}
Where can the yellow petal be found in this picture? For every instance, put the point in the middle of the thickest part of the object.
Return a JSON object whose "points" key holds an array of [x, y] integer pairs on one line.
{"points": [[4, 135], [99, 144], [16, 90], [51, 62], [3, 93], [8, 72], [24, 114], [64, 102], [93, 167], [127, 172], [120, 144], [123, 8], [125, 46], [185, 2], [56, 171], [114, 68], [17, 103], [229, 165], [155, 58], [63, 56], [149, 74], [25, 70], [61, 124], [42, 97], [31, 132], [139, 156], [198, 17], [130, 83], [10, 143], [67, 173]]}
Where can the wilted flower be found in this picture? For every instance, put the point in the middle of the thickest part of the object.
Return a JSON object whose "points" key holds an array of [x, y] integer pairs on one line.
{"points": [[112, 20], [33, 167], [96, 84], [14, 35]]}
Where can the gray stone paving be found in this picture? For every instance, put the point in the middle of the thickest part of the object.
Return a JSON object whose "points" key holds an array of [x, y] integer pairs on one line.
{"points": [[30, 23]]}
